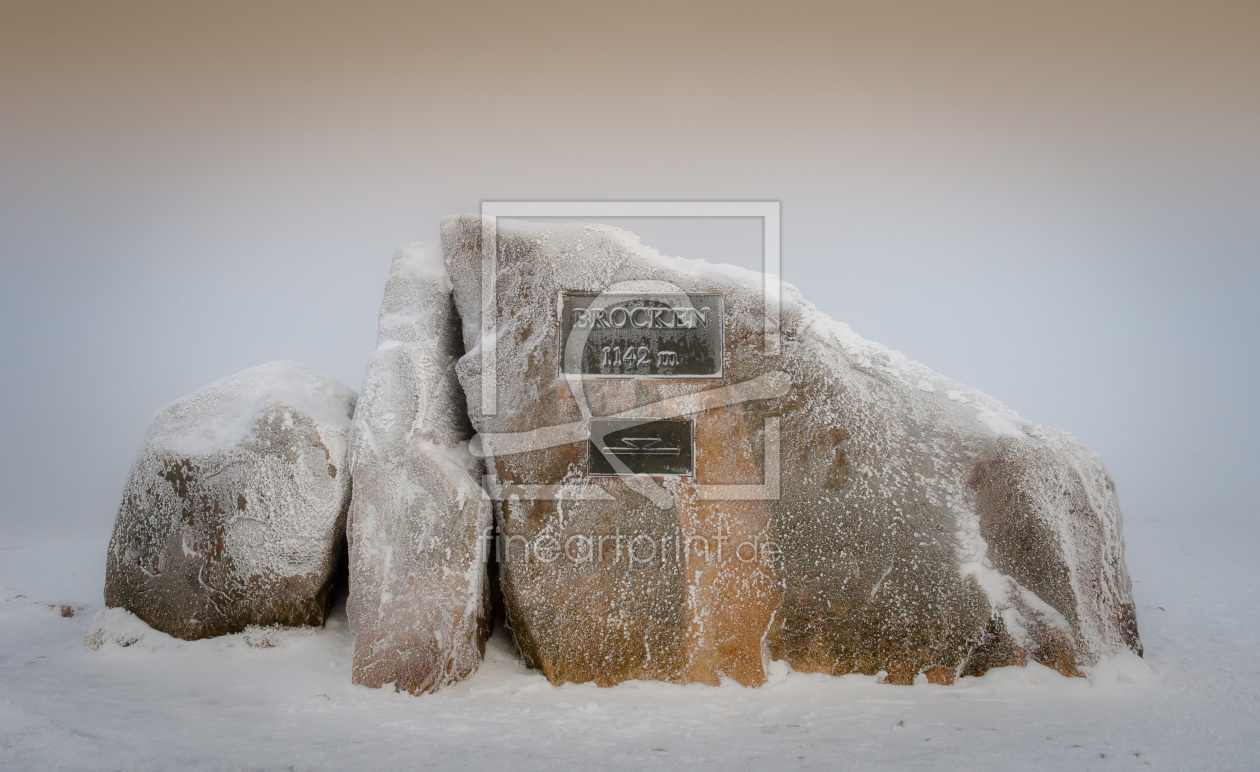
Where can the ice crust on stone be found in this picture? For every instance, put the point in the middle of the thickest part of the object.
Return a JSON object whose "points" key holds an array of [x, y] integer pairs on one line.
{"points": [[234, 511], [224, 413], [926, 526], [419, 598]]}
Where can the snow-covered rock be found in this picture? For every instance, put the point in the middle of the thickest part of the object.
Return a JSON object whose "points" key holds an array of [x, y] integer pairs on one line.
{"points": [[919, 527], [418, 527], [235, 509]]}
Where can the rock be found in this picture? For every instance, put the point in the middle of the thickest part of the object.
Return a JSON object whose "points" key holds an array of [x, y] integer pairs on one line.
{"points": [[419, 523], [235, 508], [918, 526]]}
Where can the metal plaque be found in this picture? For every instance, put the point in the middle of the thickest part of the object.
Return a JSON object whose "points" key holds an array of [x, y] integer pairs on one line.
{"points": [[641, 334], [662, 448]]}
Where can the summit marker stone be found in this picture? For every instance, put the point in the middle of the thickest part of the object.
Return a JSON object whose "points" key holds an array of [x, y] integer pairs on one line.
{"points": [[847, 510]]}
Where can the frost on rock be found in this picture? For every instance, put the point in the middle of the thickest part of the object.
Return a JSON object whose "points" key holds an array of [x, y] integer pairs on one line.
{"points": [[920, 527], [234, 512], [419, 593]]}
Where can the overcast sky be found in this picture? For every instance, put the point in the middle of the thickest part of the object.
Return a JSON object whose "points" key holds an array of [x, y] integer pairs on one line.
{"points": [[1058, 203]]}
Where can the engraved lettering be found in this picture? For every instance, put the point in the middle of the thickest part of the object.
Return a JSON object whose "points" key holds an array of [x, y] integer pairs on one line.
{"points": [[642, 317], [648, 334]]}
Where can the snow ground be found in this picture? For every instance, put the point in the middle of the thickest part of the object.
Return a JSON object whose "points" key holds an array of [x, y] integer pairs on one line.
{"points": [[226, 704]]}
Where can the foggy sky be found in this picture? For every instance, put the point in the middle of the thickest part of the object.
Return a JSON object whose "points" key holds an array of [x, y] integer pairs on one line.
{"points": [[1057, 203]]}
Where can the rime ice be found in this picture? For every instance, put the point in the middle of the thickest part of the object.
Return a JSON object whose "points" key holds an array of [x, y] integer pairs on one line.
{"points": [[419, 591], [234, 511], [916, 526]]}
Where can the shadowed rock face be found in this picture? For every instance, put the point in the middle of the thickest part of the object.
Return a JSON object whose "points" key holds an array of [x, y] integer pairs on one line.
{"points": [[419, 592], [919, 527], [234, 511]]}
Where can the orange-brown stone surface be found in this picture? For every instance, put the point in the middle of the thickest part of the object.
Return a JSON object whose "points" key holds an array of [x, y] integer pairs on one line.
{"points": [[915, 525]]}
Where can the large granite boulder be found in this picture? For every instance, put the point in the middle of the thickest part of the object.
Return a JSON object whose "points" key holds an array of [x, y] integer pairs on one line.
{"points": [[234, 513], [419, 523], [915, 526]]}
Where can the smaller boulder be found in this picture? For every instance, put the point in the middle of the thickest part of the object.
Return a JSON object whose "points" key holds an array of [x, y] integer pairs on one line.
{"points": [[234, 514]]}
